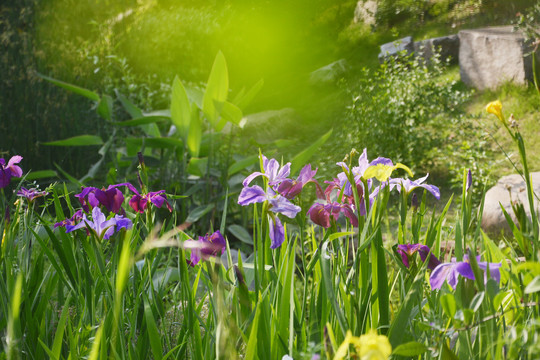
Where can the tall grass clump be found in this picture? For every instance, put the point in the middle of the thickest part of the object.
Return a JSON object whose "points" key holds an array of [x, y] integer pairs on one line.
{"points": [[112, 272]]}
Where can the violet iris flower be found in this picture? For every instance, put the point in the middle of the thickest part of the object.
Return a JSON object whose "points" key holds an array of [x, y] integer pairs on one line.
{"points": [[140, 202], [31, 194], [272, 171], [409, 185], [207, 246], [450, 272], [99, 224], [407, 250], [278, 205], [9, 170], [72, 220]]}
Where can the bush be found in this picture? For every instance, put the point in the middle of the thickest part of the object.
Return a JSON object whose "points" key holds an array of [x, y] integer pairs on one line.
{"points": [[403, 110]]}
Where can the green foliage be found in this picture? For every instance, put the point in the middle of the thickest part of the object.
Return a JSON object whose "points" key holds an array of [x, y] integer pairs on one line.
{"points": [[403, 110]]}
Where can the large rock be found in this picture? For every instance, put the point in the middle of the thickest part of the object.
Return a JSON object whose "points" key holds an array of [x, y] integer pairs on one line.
{"points": [[447, 46], [511, 188], [489, 57], [365, 12], [395, 48], [328, 74]]}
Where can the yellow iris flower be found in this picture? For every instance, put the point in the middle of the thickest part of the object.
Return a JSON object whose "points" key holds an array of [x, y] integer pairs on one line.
{"points": [[495, 108], [369, 346]]}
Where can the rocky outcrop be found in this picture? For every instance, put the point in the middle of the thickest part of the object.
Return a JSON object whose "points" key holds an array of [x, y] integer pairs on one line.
{"points": [[509, 189], [365, 12]]}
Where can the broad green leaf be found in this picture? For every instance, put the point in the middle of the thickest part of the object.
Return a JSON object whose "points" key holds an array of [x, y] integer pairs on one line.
{"points": [[396, 333], [412, 348], [81, 140], [241, 234], [243, 99], [163, 143], [197, 166], [131, 108], [195, 134], [251, 349], [199, 212], [242, 164], [41, 174], [448, 303], [533, 286], [180, 108], [216, 88], [105, 107], [94, 353], [142, 121], [302, 158], [229, 113], [73, 88]]}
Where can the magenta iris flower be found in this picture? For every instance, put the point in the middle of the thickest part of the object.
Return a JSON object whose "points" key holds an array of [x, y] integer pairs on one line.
{"points": [[207, 246], [111, 198], [99, 224], [450, 272], [31, 194], [321, 214], [9, 170], [290, 188], [139, 202], [407, 251], [277, 204]]}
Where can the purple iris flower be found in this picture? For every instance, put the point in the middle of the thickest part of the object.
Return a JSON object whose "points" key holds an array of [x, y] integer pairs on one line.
{"points": [[278, 205], [410, 185], [99, 224], [469, 180], [140, 202], [72, 220], [290, 188], [31, 194], [272, 171], [408, 250], [207, 246], [450, 272], [9, 170]]}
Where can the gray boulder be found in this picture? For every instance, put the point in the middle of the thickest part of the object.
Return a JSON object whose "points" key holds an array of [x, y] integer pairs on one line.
{"points": [[396, 48], [511, 188], [489, 57], [328, 74], [447, 46]]}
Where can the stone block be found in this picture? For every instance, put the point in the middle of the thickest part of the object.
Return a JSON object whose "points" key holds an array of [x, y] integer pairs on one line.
{"points": [[397, 47], [489, 57], [447, 46], [509, 189]]}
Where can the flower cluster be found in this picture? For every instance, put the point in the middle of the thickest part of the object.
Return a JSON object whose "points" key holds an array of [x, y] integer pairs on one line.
{"points": [[110, 198], [278, 193], [31, 194], [9, 170]]}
